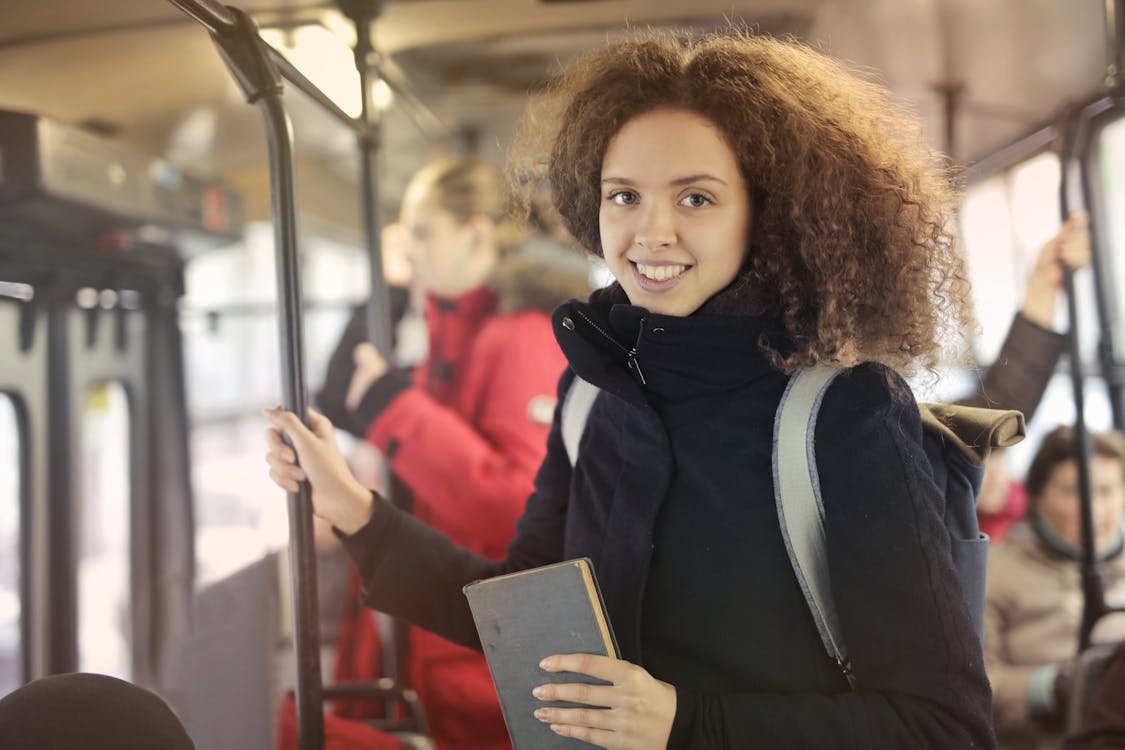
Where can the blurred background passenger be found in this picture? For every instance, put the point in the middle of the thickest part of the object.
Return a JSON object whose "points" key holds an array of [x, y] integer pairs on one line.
{"points": [[79, 711], [1034, 597], [1024, 366], [465, 431]]}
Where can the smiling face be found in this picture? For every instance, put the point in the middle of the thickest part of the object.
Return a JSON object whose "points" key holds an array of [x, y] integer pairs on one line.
{"points": [[675, 211]]}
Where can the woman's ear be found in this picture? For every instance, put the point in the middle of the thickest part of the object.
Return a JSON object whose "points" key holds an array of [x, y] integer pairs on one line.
{"points": [[483, 233]]}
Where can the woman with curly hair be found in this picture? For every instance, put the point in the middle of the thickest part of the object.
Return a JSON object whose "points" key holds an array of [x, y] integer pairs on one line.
{"points": [[762, 210]]}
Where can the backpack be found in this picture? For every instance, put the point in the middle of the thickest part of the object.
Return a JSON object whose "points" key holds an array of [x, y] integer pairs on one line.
{"points": [[956, 439]]}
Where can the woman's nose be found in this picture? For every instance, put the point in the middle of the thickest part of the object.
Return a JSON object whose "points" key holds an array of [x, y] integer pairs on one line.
{"points": [[656, 229]]}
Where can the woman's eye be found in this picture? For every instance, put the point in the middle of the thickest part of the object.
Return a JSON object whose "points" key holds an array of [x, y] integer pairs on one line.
{"points": [[623, 198], [696, 200]]}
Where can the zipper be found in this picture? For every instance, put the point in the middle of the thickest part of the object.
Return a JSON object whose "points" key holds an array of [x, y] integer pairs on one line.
{"points": [[630, 354]]}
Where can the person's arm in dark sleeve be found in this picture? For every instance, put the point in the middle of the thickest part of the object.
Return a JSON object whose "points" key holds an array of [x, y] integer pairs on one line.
{"points": [[341, 365], [1019, 376], [330, 398], [412, 571], [1022, 370]]}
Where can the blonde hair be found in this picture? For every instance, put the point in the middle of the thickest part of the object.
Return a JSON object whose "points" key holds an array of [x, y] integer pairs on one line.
{"points": [[467, 187]]}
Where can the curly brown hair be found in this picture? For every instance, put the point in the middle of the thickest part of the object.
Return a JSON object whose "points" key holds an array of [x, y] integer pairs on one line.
{"points": [[851, 209]]}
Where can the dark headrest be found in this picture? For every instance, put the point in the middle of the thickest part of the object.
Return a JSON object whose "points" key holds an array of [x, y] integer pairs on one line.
{"points": [[88, 711]]}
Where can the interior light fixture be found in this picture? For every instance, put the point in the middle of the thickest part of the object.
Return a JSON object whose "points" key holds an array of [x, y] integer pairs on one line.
{"points": [[382, 97], [323, 58]]}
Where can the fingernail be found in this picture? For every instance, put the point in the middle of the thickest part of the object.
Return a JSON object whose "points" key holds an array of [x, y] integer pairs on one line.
{"points": [[540, 713], [547, 663], [538, 692]]}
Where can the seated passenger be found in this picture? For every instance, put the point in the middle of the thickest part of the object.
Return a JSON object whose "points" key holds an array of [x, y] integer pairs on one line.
{"points": [[1024, 366], [1034, 601], [79, 711]]}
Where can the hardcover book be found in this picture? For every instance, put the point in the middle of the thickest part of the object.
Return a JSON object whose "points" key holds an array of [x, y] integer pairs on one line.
{"points": [[526, 616]]}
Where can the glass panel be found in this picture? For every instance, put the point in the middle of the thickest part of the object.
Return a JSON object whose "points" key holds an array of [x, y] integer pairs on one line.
{"points": [[1035, 206], [989, 250], [1005, 222], [1035, 220], [103, 534], [232, 364], [10, 490], [240, 513], [333, 272]]}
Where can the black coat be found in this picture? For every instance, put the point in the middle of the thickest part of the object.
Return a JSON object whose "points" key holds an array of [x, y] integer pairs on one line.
{"points": [[672, 499]]}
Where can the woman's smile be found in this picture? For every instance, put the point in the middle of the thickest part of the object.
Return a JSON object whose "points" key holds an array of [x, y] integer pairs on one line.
{"points": [[658, 277]]}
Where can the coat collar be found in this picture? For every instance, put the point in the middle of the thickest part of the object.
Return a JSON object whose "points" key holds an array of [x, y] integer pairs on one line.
{"points": [[639, 355], [474, 304]]}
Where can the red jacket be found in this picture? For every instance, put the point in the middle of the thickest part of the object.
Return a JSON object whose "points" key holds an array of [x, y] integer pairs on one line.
{"points": [[466, 432], [996, 525]]}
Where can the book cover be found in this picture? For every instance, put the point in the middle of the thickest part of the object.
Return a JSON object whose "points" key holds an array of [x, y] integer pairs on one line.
{"points": [[522, 618]]}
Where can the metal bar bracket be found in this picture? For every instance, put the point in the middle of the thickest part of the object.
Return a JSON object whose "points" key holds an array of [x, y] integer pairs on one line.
{"points": [[248, 57]]}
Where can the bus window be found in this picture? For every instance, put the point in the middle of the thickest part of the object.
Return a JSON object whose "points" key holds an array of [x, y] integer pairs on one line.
{"points": [[989, 249], [104, 533], [336, 277], [230, 358], [229, 321], [10, 490], [1005, 220], [1034, 187]]}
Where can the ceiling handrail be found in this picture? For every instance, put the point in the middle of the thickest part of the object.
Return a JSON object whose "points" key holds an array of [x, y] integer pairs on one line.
{"points": [[251, 65]]}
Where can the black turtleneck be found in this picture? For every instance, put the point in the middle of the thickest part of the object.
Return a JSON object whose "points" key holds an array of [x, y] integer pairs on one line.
{"points": [[711, 386], [719, 512]]}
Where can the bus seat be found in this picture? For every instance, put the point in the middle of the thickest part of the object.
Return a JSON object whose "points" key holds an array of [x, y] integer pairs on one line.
{"points": [[227, 672]]}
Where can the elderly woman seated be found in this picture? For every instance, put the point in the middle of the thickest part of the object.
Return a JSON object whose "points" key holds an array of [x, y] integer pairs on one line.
{"points": [[1034, 600]]}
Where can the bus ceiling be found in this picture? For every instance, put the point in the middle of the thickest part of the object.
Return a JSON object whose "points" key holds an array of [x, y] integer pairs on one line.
{"points": [[981, 74]]}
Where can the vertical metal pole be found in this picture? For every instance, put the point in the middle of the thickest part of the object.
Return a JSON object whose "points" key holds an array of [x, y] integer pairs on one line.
{"points": [[1093, 599], [302, 556], [363, 13], [1106, 305], [250, 63], [62, 608]]}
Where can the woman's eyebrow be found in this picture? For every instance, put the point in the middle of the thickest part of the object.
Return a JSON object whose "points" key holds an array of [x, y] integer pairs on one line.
{"points": [[696, 178], [678, 181]]}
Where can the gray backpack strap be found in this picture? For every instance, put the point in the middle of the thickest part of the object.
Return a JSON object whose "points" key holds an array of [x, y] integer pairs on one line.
{"points": [[800, 511], [577, 403]]}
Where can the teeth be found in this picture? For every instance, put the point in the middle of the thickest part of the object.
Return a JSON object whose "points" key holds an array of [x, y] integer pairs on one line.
{"points": [[660, 273]]}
